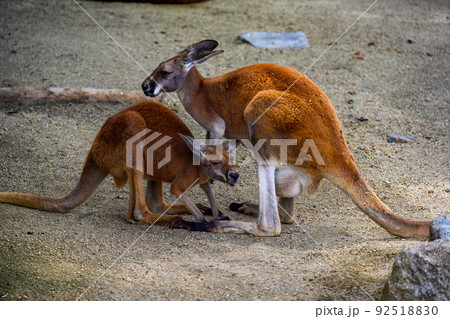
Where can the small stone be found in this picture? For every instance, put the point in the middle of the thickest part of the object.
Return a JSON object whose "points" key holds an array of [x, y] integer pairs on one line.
{"points": [[411, 41], [440, 228], [401, 139]]}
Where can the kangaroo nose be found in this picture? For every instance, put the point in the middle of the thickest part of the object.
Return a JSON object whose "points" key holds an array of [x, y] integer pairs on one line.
{"points": [[148, 88], [233, 177], [145, 86]]}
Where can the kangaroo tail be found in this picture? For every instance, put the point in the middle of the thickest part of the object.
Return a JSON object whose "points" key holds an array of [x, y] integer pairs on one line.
{"points": [[365, 198], [91, 177]]}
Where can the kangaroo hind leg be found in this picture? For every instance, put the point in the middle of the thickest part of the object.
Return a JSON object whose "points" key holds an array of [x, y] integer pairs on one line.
{"points": [[286, 209], [154, 197], [138, 211]]}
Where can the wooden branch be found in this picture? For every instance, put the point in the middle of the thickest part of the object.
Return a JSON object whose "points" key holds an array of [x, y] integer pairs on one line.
{"points": [[29, 95]]}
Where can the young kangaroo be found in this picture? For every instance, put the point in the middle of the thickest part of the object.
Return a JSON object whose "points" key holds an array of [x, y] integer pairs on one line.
{"points": [[110, 154], [270, 102]]}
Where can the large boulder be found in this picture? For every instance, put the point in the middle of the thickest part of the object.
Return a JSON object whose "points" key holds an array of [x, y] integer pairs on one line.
{"points": [[421, 272]]}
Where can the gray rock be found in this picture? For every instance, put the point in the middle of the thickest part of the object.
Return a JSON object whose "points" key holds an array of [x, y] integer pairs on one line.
{"points": [[401, 139], [276, 40], [440, 228], [421, 272]]}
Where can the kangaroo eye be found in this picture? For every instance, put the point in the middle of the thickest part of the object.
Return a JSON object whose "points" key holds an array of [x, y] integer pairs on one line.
{"points": [[165, 72]]}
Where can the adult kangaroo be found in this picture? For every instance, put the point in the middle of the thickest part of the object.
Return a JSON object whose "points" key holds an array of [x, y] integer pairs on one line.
{"points": [[268, 102]]}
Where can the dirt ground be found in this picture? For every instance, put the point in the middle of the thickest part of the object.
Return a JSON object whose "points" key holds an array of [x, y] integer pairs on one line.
{"points": [[334, 252]]}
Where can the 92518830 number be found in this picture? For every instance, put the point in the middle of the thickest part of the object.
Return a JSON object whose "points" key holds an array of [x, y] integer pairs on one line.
{"points": [[406, 310]]}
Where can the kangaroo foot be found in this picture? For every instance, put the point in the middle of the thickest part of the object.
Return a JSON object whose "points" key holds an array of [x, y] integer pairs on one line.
{"points": [[208, 212], [245, 208]]}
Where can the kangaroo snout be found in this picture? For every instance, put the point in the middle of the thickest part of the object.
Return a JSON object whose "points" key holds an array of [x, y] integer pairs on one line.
{"points": [[148, 88], [232, 177]]}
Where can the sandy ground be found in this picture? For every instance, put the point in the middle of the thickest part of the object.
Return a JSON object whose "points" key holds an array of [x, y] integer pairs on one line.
{"points": [[334, 252]]}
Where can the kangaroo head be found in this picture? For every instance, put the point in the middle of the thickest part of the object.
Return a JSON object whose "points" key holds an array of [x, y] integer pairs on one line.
{"points": [[170, 75], [215, 159]]}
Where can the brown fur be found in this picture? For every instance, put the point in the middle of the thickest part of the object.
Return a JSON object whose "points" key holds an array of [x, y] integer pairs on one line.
{"points": [[108, 156], [261, 93]]}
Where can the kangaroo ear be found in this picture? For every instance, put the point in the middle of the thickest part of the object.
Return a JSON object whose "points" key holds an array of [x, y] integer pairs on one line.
{"points": [[198, 53], [231, 145], [196, 58], [205, 45], [196, 148]]}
